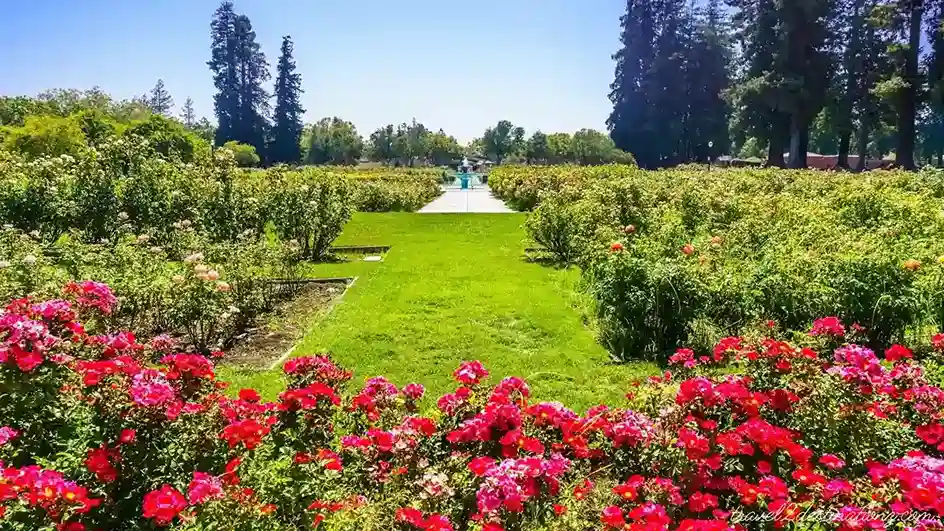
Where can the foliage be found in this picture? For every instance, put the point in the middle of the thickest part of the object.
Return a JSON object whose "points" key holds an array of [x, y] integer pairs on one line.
{"points": [[523, 187], [394, 191], [285, 146], [671, 71], [169, 137], [188, 116], [502, 140], [332, 141], [160, 101], [98, 435], [244, 155], [45, 135], [309, 207], [672, 256], [239, 68]]}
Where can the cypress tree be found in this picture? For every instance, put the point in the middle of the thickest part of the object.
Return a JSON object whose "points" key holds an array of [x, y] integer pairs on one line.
{"points": [[287, 118]]}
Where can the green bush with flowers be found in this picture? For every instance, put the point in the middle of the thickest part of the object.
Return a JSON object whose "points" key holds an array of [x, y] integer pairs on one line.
{"points": [[690, 255], [394, 190], [105, 430]]}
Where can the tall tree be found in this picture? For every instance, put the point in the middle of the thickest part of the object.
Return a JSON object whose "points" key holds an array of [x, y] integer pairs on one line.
{"points": [[239, 70], [901, 21], [709, 79], [287, 119], [253, 71], [159, 100], [755, 95], [671, 73], [502, 140], [187, 114], [381, 145], [225, 67], [932, 120], [333, 141], [627, 123], [443, 149], [560, 147], [537, 149]]}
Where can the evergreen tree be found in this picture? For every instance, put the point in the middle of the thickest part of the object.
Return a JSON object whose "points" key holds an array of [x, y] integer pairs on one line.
{"points": [[159, 100], [287, 119], [932, 120], [187, 114], [627, 123], [239, 70], [225, 67], [709, 79], [253, 71], [901, 21], [671, 74]]}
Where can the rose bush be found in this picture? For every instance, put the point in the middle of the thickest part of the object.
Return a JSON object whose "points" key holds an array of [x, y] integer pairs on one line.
{"points": [[705, 254], [105, 430]]}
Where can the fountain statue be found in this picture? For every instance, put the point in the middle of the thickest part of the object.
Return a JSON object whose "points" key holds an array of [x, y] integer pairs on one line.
{"points": [[466, 175]]}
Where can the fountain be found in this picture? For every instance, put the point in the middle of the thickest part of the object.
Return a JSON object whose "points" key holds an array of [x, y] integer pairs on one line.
{"points": [[467, 178]]}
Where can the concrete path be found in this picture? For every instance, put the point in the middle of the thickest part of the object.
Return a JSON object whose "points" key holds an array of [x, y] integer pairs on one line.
{"points": [[456, 200]]}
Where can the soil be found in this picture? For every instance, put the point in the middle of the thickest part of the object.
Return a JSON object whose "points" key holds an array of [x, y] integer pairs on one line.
{"points": [[260, 346]]}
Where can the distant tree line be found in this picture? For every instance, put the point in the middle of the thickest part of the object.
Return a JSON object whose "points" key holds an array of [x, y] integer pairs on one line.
{"points": [[764, 78], [259, 132], [66, 122]]}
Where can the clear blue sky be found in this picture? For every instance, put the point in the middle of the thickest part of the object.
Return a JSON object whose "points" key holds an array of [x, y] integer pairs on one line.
{"points": [[462, 66]]}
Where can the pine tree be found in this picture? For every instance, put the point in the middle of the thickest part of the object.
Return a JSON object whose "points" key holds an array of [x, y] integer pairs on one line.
{"points": [[239, 70], [901, 23], [709, 78], [159, 100], [627, 122], [253, 71], [224, 65], [287, 127], [187, 114], [855, 15], [932, 122]]}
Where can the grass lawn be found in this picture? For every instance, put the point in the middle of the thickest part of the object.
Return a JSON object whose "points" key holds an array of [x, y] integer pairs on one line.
{"points": [[456, 287]]}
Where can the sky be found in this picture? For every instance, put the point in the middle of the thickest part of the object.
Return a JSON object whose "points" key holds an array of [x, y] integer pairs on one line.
{"points": [[457, 65]]}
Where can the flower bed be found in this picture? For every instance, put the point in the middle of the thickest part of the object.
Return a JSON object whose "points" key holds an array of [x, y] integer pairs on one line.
{"points": [[687, 256], [102, 430]]}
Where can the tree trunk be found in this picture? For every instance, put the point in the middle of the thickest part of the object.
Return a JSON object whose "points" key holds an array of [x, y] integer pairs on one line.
{"points": [[798, 142], [775, 152], [863, 145], [904, 155], [844, 141], [854, 71]]}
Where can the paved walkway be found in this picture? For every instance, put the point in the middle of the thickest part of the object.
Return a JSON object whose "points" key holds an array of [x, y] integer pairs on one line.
{"points": [[456, 200]]}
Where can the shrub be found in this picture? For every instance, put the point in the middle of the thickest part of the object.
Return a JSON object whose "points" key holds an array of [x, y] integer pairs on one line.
{"points": [[244, 154], [676, 256], [169, 138], [553, 225], [309, 207], [97, 436], [49, 136]]}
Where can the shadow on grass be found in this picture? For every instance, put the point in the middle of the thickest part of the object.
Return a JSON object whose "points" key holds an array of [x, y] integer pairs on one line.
{"points": [[544, 258]]}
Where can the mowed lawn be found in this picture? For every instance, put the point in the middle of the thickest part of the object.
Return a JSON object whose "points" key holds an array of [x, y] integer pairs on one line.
{"points": [[456, 287]]}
